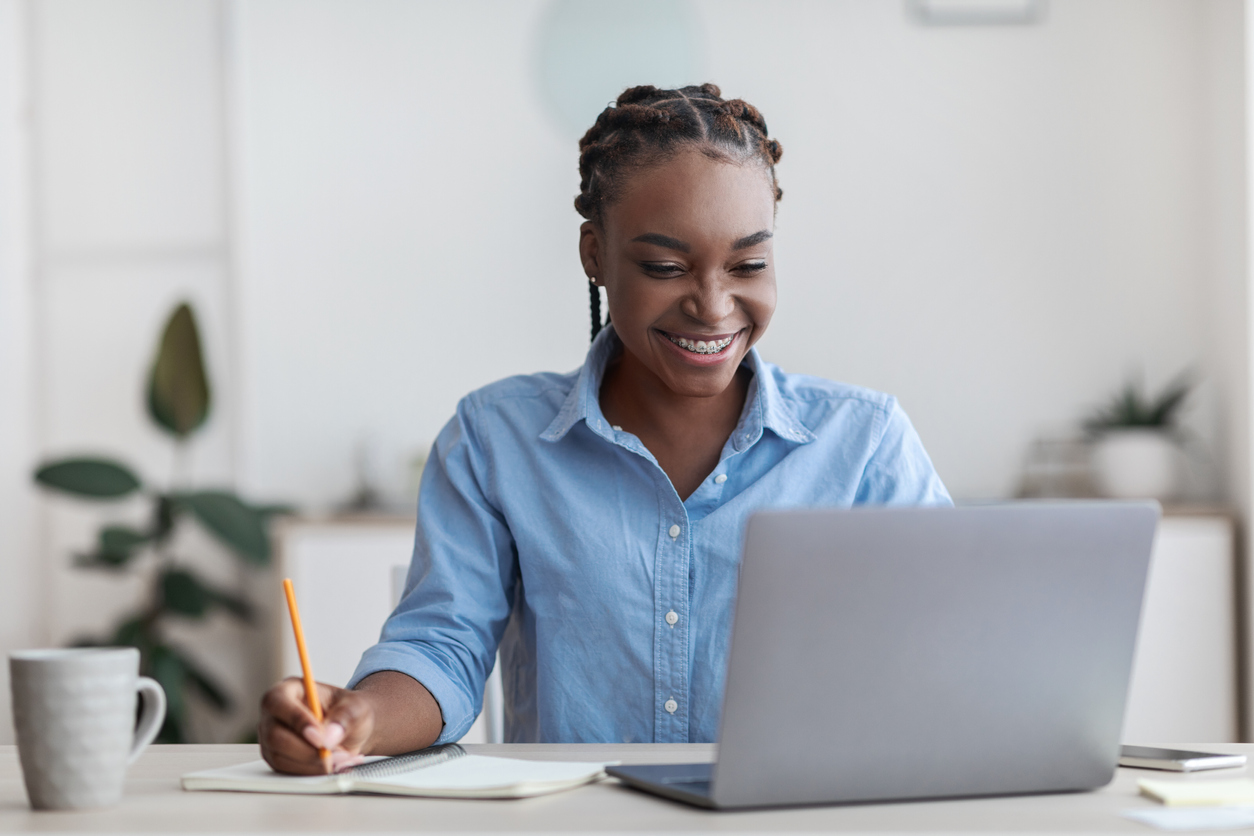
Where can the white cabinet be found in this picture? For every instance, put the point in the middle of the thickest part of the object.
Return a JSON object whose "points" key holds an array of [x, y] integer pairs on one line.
{"points": [[1184, 679], [348, 577]]}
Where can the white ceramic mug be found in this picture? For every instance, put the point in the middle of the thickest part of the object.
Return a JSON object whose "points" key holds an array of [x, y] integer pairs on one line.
{"points": [[74, 713]]}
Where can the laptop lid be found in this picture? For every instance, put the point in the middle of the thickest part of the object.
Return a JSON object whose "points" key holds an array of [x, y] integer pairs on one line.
{"points": [[888, 653]]}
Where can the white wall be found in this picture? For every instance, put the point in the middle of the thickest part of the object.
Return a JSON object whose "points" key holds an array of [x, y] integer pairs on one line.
{"points": [[995, 224], [130, 217], [407, 231], [21, 621], [1224, 215]]}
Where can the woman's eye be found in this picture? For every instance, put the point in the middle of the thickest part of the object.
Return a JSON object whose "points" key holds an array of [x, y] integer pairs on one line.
{"points": [[662, 269], [749, 268]]}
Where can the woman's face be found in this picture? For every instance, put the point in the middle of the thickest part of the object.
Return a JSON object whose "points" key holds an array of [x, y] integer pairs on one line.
{"points": [[686, 259]]}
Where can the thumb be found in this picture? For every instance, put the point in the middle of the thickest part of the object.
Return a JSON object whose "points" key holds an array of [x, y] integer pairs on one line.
{"points": [[348, 721]]}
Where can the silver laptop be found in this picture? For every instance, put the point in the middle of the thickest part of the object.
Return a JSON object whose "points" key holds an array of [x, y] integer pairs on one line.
{"points": [[908, 653]]}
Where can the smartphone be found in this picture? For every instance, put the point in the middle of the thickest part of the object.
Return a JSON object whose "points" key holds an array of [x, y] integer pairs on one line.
{"points": [[1176, 760]]}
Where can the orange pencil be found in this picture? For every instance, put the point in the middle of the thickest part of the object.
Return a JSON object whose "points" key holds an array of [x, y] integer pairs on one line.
{"points": [[311, 687]]}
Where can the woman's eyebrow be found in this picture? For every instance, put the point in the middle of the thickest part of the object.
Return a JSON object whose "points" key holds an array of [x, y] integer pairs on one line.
{"points": [[663, 241], [752, 240]]}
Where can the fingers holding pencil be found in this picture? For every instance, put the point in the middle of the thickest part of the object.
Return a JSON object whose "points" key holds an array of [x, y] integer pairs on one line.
{"points": [[338, 744], [348, 722], [291, 737], [311, 690]]}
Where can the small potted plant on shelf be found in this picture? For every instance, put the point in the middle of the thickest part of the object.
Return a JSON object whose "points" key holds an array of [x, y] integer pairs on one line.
{"points": [[1136, 441]]}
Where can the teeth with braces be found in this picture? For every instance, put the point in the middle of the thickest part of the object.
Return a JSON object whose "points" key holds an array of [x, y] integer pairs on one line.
{"points": [[701, 346]]}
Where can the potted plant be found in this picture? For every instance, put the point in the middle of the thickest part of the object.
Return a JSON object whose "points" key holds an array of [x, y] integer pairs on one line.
{"points": [[178, 402], [1136, 441]]}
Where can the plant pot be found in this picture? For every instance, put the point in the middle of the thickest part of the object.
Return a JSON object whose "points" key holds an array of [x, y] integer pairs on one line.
{"points": [[1136, 463]]}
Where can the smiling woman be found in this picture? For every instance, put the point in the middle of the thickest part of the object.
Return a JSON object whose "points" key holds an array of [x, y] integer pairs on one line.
{"points": [[588, 525], [686, 259]]}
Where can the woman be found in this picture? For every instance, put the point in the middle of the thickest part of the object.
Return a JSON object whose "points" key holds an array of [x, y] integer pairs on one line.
{"points": [[589, 524]]}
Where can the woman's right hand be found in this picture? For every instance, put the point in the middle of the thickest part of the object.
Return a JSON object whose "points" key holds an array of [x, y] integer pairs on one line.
{"points": [[290, 737]]}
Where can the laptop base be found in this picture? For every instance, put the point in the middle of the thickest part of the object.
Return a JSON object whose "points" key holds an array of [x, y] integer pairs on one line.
{"points": [[686, 782]]}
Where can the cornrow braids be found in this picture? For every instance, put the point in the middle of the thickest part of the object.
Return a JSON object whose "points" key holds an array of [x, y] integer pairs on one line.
{"points": [[647, 125]]}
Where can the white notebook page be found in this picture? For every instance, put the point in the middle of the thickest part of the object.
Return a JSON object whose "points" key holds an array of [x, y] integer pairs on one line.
{"points": [[472, 772]]}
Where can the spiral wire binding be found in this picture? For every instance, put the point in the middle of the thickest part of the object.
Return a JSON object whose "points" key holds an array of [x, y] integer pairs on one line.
{"points": [[409, 762]]}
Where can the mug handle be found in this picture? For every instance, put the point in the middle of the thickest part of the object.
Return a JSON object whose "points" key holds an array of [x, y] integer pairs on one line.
{"points": [[150, 719]]}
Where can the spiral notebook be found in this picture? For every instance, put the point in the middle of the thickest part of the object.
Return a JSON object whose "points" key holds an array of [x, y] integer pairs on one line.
{"points": [[439, 772]]}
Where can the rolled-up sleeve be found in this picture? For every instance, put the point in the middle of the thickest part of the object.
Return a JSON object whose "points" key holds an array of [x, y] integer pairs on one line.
{"points": [[899, 471], [460, 587]]}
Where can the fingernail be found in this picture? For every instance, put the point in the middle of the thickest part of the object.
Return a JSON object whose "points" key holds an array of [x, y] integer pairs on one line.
{"points": [[314, 735], [342, 759], [332, 734]]}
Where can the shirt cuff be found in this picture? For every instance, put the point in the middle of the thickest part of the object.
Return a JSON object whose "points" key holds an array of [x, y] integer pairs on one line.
{"points": [[456, 709]]}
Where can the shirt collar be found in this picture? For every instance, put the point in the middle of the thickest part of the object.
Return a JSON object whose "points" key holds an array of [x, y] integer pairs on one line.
{"points": [[765, 408], [583, 402]]}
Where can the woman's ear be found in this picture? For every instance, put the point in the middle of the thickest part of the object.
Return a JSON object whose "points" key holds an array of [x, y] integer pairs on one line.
{"points": [[590, 250]]}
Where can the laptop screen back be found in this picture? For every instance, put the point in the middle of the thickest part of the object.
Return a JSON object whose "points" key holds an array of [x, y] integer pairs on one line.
{"points": [[924, 652]]}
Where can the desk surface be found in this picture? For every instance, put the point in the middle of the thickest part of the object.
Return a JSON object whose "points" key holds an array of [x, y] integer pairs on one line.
{"points": [[154, 803]]}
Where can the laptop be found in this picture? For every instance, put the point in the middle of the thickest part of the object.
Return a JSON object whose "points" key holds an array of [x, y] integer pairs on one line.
{"points": [[886, 654]]}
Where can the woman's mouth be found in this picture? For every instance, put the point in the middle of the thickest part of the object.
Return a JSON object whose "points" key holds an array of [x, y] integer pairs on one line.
{"points": [[715, 346]]}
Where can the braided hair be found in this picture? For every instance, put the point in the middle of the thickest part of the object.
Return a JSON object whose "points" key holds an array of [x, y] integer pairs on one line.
{"points": [[648, 125]]}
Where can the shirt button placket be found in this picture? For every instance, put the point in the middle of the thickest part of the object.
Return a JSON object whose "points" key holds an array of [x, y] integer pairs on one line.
{"points": [[671, 683]]}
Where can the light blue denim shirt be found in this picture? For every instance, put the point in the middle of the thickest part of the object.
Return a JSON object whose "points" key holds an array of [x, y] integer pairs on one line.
{"points": [[546, 531]]}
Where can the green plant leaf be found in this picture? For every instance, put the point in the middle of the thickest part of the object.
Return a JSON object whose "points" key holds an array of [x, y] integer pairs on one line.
{"points": [[234, 523], [178, 387], [268, 512], [205, 684], [118, 544], [1163, 411], [163, 517], [1131, 407], [132, 633], [234, 604], [94, 478], [97, 560], [183, 593], [165, 666]]}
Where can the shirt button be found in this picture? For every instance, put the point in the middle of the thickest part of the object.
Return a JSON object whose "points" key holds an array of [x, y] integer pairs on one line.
{"points": [[720, 479], [671, 618], [617, 427], [671, 706], [674, 532]]}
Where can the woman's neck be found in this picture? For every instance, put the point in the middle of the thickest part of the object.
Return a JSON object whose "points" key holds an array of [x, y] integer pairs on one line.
{"points": [[685, 434]]}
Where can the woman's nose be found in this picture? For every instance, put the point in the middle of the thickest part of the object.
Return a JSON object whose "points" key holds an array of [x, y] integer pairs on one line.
{"points": [[710, 301]]}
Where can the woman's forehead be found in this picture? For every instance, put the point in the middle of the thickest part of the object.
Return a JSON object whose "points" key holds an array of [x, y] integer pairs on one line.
{"points": [[691, 194]]}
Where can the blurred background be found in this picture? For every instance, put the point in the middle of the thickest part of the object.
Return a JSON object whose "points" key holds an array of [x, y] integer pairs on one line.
{"points": [[1000, 212]]}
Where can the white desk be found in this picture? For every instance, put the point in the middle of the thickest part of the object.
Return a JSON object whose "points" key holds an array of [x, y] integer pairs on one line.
{"points": [[154, 803]]}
